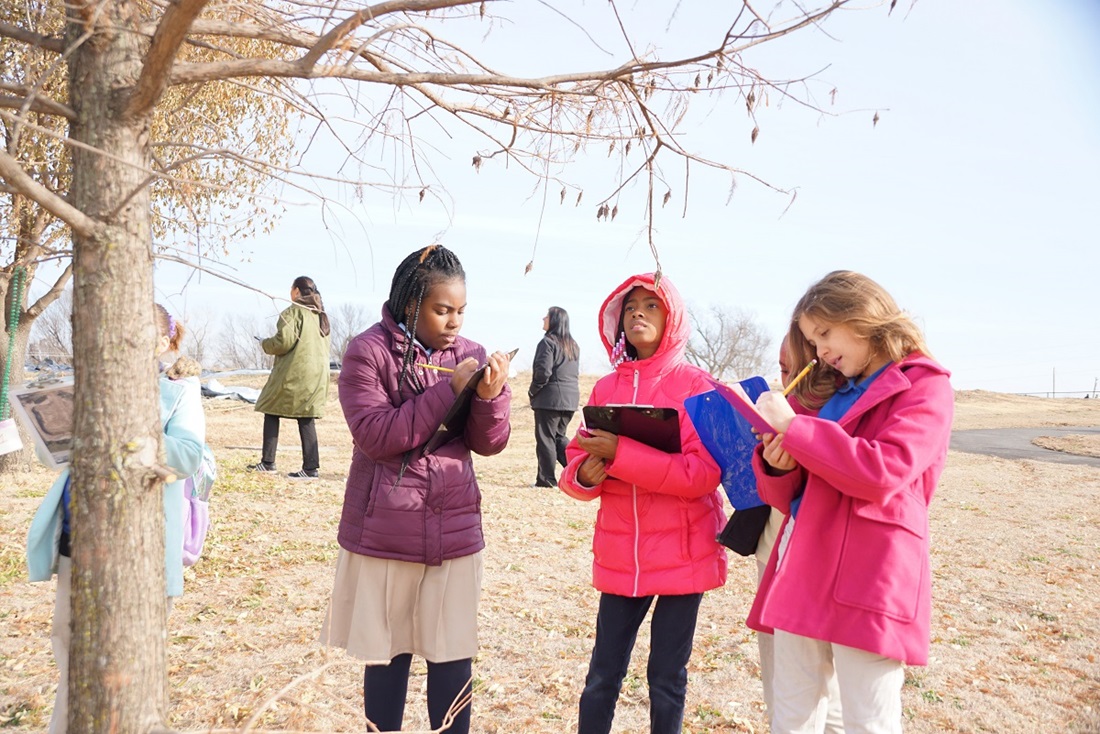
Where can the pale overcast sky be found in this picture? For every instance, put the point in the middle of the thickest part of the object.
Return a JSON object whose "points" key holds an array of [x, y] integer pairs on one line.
{"points": [[970, 200]]}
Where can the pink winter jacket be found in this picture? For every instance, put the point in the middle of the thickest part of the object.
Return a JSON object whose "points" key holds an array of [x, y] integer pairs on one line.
{"points": [[659, 513], [856, 570]]}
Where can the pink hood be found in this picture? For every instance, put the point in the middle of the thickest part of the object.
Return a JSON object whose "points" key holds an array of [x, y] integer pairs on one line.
{"points": [[659, 512], [677, 329]]}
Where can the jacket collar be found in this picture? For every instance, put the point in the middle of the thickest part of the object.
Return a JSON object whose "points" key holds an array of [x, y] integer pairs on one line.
{"points": [[399, 336], [892, 381]]}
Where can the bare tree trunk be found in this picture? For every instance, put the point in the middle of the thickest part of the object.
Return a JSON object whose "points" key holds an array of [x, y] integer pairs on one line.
{"points": [[117, 674]]}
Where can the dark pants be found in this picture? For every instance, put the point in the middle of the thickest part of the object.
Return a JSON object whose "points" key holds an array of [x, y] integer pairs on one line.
{"points": [[550, 443], [307, 431], [385, 686], [671, 633]]}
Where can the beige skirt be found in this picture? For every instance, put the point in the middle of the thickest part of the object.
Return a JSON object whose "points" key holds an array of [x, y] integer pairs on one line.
{"points": [[382, 608]]}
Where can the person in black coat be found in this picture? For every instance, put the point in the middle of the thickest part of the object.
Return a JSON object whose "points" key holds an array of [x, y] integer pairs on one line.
{"points": [[554, 392]]}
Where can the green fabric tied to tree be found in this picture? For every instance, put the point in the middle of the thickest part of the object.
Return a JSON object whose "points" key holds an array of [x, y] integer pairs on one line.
{"points": [[18, 280]]}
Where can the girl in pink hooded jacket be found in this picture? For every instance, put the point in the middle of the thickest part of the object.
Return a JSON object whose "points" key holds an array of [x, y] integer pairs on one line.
{"points": [[848, 584], [659, 512]]}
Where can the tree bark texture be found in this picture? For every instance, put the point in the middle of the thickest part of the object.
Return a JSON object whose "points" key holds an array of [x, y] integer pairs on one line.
{"points": [[117, 675]]}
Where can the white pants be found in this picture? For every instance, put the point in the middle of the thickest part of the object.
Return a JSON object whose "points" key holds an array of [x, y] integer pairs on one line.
{"points": [[870, 687], [834, 721], [61, 634]]}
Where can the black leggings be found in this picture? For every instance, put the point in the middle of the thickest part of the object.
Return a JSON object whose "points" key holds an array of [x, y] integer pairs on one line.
{"points": [[385, 686], [307, 431]]}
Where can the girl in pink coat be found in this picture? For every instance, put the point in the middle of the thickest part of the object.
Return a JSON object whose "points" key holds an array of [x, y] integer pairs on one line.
{"points": [[848, 585], [659, 512]]}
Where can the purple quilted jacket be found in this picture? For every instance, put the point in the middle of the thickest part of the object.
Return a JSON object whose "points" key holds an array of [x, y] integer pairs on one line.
{"points": [[434, 512]]}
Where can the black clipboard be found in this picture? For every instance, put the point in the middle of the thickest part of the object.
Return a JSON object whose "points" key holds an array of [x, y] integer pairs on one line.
{"points": [[656, 427], [454, 422]]}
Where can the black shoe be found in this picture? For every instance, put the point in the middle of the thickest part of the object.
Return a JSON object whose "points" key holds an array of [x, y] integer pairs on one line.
{"points": [[544, 484], [304, 474], [261, 467]]}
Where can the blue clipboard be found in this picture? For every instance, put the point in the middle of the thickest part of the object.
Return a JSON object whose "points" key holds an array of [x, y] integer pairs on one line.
{"points": [[729, 439]]}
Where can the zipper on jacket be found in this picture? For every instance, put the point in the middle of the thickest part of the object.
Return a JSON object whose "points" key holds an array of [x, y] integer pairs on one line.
{"points": [[634, 500], [637, 535]]}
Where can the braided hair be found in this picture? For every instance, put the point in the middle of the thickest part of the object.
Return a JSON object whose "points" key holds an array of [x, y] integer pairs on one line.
{"points": [[416, 274]]}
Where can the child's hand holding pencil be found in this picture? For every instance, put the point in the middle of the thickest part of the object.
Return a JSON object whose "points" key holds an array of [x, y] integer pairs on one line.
{"points": [[440, 368], [774, 406], [492, 380], [496, 374]]}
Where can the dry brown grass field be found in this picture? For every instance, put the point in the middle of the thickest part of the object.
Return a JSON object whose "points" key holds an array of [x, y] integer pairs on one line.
{"points": [[1015, 625]]}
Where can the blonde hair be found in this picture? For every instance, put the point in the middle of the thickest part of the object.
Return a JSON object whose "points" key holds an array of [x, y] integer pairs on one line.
{"points": [[864, 306]]}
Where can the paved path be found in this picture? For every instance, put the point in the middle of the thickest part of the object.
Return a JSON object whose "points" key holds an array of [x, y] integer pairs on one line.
{"points": [[1015, 443]]}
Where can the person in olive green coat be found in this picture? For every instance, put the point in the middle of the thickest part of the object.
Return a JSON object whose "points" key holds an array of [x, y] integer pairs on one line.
{"points": [[298, 384]]}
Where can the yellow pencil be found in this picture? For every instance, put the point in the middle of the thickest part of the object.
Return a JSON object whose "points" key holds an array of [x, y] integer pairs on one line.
{"points": [[805, 371], [448, 369], [434, 367]]}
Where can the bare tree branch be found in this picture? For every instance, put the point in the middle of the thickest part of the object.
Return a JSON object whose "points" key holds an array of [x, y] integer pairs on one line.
{"points": [[17, 178], [170, 34], [374, 12], [55, 291], [38, 104], [46, 43]]}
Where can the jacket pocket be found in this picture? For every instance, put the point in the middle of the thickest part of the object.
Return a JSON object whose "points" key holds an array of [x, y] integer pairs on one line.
{"points": [[376, 488], [685, 531], [884, 558]]}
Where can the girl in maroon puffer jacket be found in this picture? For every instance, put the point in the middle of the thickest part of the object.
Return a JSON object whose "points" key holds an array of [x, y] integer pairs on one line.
{"points": [[408, 577]]}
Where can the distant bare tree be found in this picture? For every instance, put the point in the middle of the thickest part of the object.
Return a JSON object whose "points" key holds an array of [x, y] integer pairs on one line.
{"points": [[348, 321], [238, 347], [728, 343], [52, 333], [197, 338]]}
